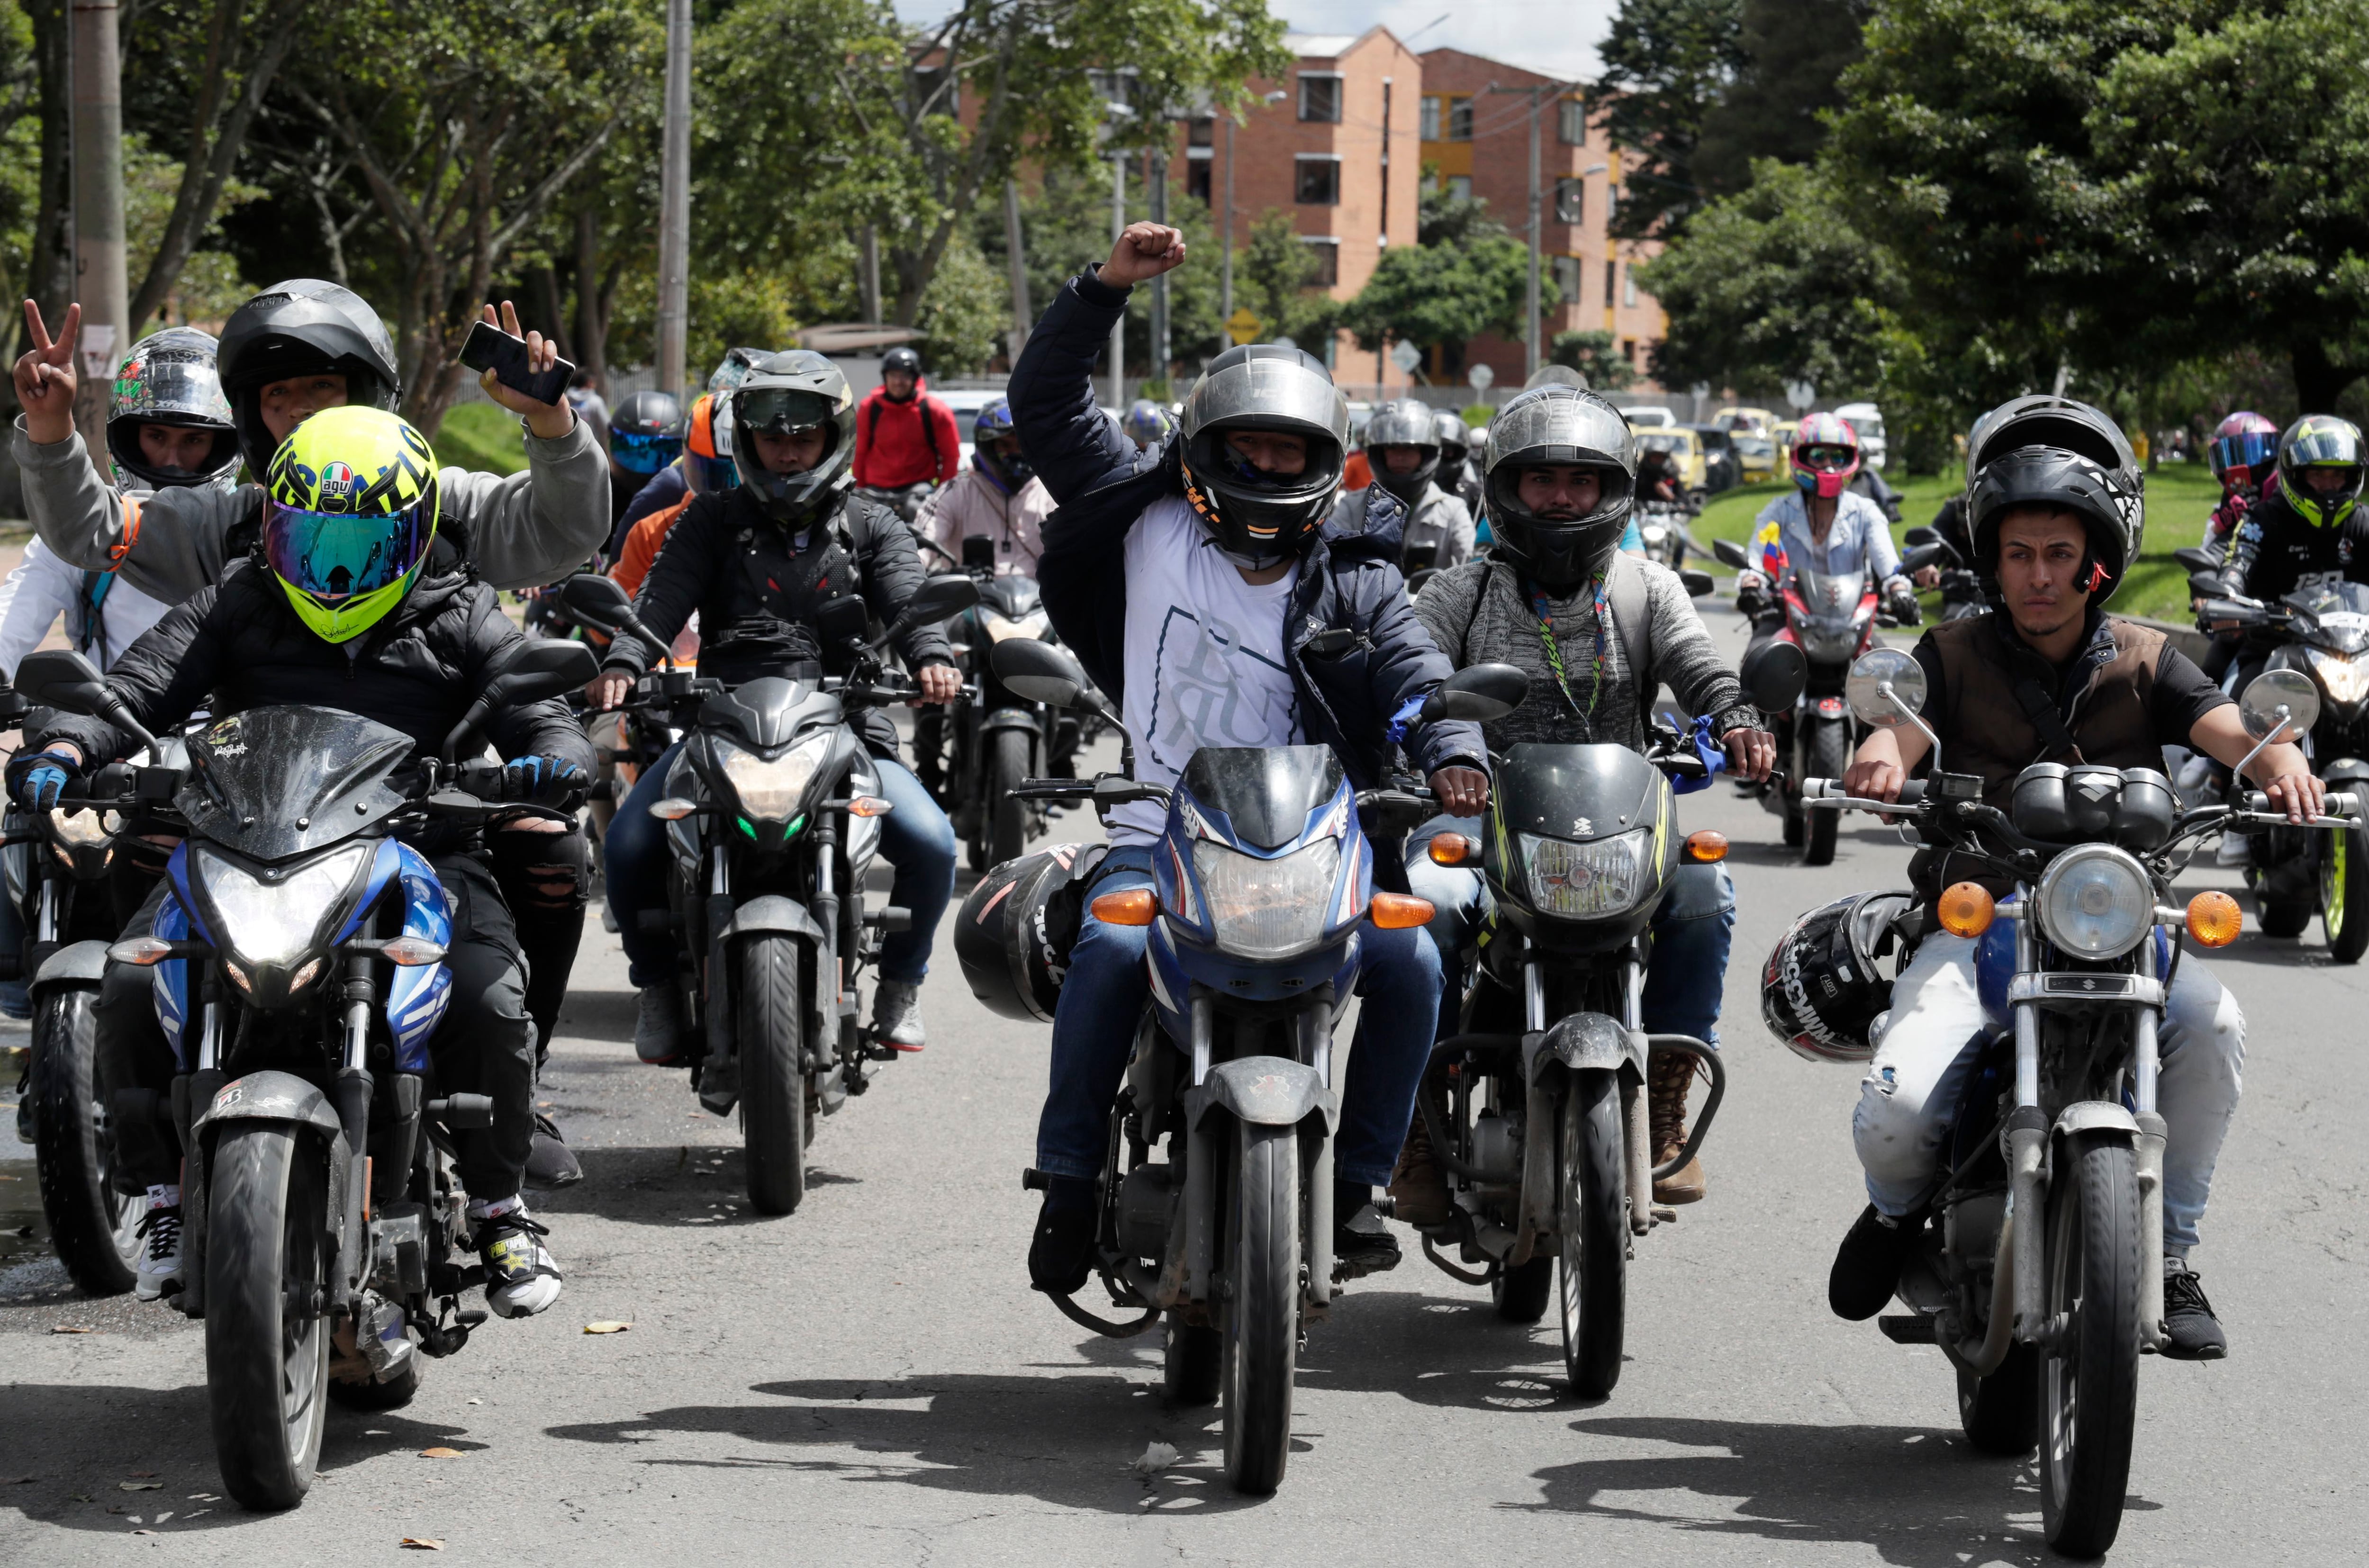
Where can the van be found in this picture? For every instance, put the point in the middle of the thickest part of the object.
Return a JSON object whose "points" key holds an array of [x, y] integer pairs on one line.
{"points": [[1649, 417], [1745, 421], [1866, 422]]}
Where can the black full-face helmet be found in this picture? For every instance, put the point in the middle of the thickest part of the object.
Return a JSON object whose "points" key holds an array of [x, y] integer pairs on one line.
{"points": [[2054, 454], [1405, 423], [800, 390], [1562, 425], [1259, 518], [302, 327], [1455, 445]]}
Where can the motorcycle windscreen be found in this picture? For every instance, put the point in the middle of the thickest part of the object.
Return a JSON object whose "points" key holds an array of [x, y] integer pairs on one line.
{"points": [[1577, 792], [2340, 613], [1265, 793], [276, 781], [771, 711]]}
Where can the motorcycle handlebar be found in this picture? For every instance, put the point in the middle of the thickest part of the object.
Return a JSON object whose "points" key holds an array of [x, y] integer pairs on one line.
{"points": [[1813, 791]]}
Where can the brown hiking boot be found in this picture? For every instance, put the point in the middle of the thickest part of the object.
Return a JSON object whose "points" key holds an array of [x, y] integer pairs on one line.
{"points": [[1418, 1189], [1668, 1077]]}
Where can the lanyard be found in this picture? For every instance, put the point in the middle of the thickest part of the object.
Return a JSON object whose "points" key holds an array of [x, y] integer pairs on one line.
{"points": [[1540, 607]]}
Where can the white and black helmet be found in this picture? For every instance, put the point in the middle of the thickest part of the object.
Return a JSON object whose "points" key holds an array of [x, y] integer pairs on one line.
{"points": [[800, 390], [169, 379], [1405, 423], [1258, 518], [1823, 987], [1563, 426], [2058, 454]]}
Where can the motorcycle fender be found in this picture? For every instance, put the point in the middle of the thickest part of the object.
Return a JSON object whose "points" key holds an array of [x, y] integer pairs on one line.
{"points": [[1011, 718], [80, 961], [1263, 1091], [1582, 1041], [771, 912], [270, 1096], [2096, 1116], [2346, 770]]}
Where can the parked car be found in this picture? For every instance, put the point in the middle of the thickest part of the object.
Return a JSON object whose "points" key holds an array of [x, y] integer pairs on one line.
{"points": [[1761, 461], [1866, 421], [1722, 469], [966, 402], [1745, 421], [1649, 417]]}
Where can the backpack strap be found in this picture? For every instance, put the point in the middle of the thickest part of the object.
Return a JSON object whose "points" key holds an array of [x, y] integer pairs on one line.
{"points": [[1632, 618], [2040, 709]]}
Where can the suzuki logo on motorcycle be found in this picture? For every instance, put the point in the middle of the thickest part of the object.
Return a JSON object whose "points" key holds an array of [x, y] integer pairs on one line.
{"points": [[1582, 827]]}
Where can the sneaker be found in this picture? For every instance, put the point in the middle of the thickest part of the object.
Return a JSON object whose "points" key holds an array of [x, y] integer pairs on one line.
{"points": [[657, 1031], [521, 1278], [550, 1163], [608, 919], [1671, 1074], [897, 1017], [160, 1263], [2236, 850], [1362, 1242], [1868, 1264], [1062, 1253], [2195, 1333]]}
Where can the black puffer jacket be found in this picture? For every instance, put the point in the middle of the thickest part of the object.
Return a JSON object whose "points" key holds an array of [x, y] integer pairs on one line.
{"points": [[239, 644]]}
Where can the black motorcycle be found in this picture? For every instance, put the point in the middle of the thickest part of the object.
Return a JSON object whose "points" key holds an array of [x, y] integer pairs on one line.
{"points": [[771, 813], [997, 739]]}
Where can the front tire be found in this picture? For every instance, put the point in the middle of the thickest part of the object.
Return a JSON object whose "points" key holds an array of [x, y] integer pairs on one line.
{"points": [[94, 1228], [1592, 1213], [267, 1249], [1004, 817], [2087, 1381], [772, 1086], [1829, 758], [1262, 1328], [2344, 895]]}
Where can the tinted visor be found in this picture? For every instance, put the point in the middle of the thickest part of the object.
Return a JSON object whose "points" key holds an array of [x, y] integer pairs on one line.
{"points": [[780, 411], [334, 556], [2247, 451], [640, 452], [2324, 444], [1827, 459]]}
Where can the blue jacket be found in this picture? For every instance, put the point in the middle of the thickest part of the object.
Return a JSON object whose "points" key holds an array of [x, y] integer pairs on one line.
{"points": [[1104, 484]]}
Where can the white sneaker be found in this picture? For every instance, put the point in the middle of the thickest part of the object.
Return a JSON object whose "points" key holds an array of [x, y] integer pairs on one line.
{"points": [[2235, 851], [521, 1276], [896, 1015], [160, 1264]]}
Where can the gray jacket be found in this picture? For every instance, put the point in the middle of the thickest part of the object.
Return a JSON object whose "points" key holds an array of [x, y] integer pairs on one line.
{"points": [[1478, 614], [1438, 519], [523, 530]]}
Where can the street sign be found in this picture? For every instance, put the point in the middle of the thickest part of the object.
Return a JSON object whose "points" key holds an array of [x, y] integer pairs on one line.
{"points": [[1479, 377], [1405, 355], [1243, 327], [1800, 394]]}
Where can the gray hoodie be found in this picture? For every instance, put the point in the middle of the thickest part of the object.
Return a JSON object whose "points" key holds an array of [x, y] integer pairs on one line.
{"points": [[523, 530]]}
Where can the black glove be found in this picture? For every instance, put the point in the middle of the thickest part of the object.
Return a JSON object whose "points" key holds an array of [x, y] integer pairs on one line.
{"points": [[38, 778], [545, 780], [1905, 610]]}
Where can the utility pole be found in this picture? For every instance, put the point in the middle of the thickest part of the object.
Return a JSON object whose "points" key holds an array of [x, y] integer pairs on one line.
{"points": [[1018, 257], [867, 273], [1159, 193], [98, 128], [1118, 327], [1226, 234], [674, 204], [1537, 95]]}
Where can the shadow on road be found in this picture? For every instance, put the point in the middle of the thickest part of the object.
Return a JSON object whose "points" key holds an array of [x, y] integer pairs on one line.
{"points": [[674, 1186]]}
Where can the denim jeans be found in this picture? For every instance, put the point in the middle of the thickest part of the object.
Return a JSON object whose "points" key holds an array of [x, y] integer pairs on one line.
{"points": [[1692, 929], [1103, 995], [915, 837], [1910, 1095]]}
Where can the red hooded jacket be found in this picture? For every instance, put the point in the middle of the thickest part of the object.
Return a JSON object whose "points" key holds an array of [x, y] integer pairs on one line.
{"points": [[898, 444]]}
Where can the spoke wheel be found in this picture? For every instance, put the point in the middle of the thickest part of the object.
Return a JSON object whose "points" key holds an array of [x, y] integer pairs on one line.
{"points": [[1262, 1329], [266, 1343], [2089, 1375], [1997, 1412]]}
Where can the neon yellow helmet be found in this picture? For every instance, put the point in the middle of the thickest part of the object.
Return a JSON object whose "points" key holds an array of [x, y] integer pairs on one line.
{"points": [[349, 514]]}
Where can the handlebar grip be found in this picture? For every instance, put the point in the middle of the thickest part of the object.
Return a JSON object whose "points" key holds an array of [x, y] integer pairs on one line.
{"points": [[1822, 789]]}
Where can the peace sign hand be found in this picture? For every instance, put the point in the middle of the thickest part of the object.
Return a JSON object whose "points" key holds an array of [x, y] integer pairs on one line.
{"points": [[45, 376]]}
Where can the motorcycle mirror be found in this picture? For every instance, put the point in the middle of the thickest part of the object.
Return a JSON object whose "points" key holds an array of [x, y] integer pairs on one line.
{"points": [[1773, 675], [2198, 559], [2273, 701], [843, 620], [1886, 688], [61, 678], [544, 669], [1479, 694], [1697, 582], [979, 553], [1039, 672], [1930, 554], [939, 598], [2206, 584], [1729, 554], [596, 602], [1921, 535]]}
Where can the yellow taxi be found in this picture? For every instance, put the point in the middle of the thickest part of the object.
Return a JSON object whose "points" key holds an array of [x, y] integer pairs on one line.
{"points": [[1753, 421], [1686, 452]]}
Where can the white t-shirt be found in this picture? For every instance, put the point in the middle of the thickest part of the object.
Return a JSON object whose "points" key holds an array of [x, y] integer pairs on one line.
{"points": [[1205, 663]]}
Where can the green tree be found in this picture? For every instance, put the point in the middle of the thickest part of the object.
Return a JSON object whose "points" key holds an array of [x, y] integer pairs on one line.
{"points": [[1430, 294], [1595, 356], [1666, 63], [1794, 53], [1275, 276]]}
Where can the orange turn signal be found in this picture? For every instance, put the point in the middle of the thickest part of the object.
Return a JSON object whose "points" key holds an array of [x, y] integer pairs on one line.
{"points": [[1454, 849], [869, 806], [1966, 908], [2214, 919], [1135, 906], [1399, 911], [1707, 845]]}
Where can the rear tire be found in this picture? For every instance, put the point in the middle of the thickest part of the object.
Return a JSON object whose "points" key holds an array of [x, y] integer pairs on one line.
{"points": [[94, 1228], [2344, 895], [381, 1393], [1262, 1330], [1520, 1294], [1195, 1363], [2088, 1382], [772, 1087], [1004, 817], [1999, 1412], [267, 1242], [1829, 758], [1592, 1213]]}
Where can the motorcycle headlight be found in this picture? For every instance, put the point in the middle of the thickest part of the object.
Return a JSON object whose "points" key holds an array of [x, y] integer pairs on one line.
{"points": [[81, 828], [1029, 627], [1267, 909], [1828, 645], [2095, 902], [1581, 881], [2347, 679], [273, 924], [770, 792]]}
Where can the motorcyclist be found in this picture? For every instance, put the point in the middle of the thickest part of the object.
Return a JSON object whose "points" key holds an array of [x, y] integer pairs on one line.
{"points": [[998, 498], [1190, 587], [2057, 518], [1403, 447], [1598, 633], [2243, 454], [645, 433], [1822, 525], [707, 469], [1146, 424], [2305, 529], [1458, 476], [903, 436], [673, 483], [353, 599], [756, 562]]}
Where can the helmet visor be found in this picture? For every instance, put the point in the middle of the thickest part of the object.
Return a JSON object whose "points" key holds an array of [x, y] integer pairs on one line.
{"points": [[639, 451], [779, 410], [172, 388], [2249, 448], [1827, 459], [2337, 445], [333, 557]]}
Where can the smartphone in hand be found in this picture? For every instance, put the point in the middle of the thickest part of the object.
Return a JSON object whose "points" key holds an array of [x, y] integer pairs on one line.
{"points": [[488, 347]]}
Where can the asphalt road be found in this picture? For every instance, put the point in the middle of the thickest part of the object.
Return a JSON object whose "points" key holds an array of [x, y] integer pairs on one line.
{"points": [[871, 1380]]}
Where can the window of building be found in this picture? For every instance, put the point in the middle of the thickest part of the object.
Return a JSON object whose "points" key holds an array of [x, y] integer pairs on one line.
{"points": [[1628, 284], [1320, 97], [1317, 180], [1460, 187], [1611, 282], [1200, 132], [1459, 120], [1571, 201], [1570, 122], [1196, 178], [1629, 350], [1430, 117], [1567, 279], [1327, 260]]}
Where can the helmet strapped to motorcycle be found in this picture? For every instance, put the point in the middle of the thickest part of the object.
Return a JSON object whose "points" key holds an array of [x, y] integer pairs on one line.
{"points": [[1826, 456], [1007, 471], [2327, 444], [2240, 446], [645, 431], [301, 328], [1822, 988], [1014, 934], [1260, 517], [2058, 455], [2041, 419], [797, 391], [349, 511], [169, 379], [1455, 443], [707, 465], [1558, 426], [1403, 423]]}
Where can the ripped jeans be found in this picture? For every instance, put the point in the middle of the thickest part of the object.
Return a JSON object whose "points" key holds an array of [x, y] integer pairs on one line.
{"points": [[1910, 1095]]}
